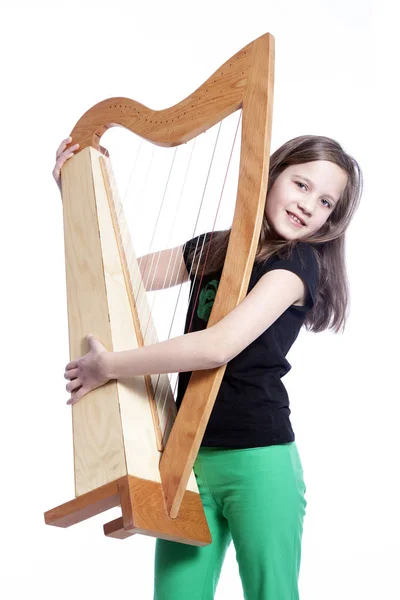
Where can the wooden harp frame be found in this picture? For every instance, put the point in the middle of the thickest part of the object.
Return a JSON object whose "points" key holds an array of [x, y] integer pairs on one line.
{"points": [[167, 506]]}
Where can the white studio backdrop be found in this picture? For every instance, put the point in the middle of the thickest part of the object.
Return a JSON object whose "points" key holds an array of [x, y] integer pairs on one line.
{"points": [[335, 76]]}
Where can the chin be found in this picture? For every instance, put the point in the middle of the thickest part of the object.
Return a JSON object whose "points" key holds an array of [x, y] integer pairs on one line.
{"points": [[280, 233]]}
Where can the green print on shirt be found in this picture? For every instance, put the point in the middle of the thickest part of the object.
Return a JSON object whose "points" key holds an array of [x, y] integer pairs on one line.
{"points": [[206, 299]]}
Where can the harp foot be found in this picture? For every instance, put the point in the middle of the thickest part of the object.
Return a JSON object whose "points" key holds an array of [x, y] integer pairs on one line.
{"points": [[115, 529], [85, 506], [143, 511]]}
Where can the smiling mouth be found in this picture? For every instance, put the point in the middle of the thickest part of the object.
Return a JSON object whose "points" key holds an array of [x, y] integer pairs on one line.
{"points": [[294, 220]]}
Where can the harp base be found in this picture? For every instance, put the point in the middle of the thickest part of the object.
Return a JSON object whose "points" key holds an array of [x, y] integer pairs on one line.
{"points": [[143, 511]]}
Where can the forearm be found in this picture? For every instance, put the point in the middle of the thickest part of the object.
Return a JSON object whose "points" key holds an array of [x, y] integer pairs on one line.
{"points": [[191, 352]]}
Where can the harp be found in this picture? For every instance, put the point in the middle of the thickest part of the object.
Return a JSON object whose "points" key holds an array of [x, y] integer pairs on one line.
{"points": [[120, 458]]}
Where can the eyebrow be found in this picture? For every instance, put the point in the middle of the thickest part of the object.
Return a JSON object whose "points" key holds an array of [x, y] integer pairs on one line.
{"points": [[311, 183]]}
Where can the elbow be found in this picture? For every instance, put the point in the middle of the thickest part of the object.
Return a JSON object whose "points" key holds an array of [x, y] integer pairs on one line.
{"points": [[219, 352], [211, 359], [217, 360]]}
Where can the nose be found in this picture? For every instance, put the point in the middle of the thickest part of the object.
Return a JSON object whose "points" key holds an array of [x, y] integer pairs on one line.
{"points": [[306, 206]]}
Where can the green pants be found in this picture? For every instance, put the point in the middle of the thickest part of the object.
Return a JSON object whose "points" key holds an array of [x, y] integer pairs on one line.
{"points": [[254, 497]]}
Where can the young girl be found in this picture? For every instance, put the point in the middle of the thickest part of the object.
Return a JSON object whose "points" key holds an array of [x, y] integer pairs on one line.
{"points": [[248, 468]]}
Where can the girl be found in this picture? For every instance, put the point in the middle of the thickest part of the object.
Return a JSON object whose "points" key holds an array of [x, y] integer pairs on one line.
{"points": [[248, 469]]}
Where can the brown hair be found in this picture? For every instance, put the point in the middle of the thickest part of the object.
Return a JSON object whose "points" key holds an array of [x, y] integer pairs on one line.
{"points": [[328, 243]]}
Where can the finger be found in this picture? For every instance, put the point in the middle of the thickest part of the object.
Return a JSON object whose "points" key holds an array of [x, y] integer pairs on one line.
{"points": [[72, 365], [73, 385], [58, 166], [63, 145], [64, 156], [76, 397], [57, 170], [71, 374], [73, 400], [62, 152]]}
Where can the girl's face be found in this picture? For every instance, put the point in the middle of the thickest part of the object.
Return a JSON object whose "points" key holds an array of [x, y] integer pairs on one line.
{"points": [[311, 191]]}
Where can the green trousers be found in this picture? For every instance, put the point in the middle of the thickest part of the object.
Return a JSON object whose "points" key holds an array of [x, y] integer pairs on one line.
{"points": [[255, 498]]}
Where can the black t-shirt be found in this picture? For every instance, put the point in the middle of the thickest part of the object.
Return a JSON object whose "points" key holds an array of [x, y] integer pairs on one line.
{"points": [[252, 405]]}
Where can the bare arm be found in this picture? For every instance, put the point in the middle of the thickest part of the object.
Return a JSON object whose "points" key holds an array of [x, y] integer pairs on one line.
{"points": [[217, 345], [206, 349], [163, 269]]}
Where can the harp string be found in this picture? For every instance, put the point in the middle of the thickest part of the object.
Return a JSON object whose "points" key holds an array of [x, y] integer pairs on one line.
{"points": [[133, 170], [176, 252], [168, 278], [169, 416], [162, 384], [134, 279], [140, 295], [151, 245], [129, 279], [197, 219], [161, 398], [215, 220], [123, 228], [132, 257]]}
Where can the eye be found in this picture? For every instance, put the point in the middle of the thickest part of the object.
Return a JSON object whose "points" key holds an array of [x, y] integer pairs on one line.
{"points": [[329, 204], [300, 184]]}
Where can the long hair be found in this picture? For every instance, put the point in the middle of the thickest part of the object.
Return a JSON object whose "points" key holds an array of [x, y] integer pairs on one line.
{"points": [[330, 310]]}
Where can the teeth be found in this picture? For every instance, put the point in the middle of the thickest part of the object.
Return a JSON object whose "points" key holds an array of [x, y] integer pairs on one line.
{"points": [[295, 218]]}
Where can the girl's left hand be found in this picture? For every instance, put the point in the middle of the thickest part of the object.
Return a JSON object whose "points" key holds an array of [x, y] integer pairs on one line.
{"points": [[87, 372]]}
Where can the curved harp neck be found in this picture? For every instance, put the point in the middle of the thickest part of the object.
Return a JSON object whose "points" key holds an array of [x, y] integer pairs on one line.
{"points": [[222, 94]]}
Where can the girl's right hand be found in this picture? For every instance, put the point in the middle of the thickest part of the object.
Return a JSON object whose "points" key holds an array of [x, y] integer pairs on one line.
{"points": [[62, 155]]}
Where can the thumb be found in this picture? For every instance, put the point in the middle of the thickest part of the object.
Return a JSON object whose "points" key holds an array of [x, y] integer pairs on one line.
{"points": [[93, 343]]}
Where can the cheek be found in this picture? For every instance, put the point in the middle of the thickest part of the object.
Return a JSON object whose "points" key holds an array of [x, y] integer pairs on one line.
{"points": [[272, 203], [319, 223], [269, 212]]}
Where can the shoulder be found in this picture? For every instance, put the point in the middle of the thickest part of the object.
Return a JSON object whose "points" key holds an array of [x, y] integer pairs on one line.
{"points": [[307, 253], [196, 245], [304, 257], [271, 296], [302, 260]]}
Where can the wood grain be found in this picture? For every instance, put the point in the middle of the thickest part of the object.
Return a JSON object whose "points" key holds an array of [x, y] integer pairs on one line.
{"points": [[143, 511]]}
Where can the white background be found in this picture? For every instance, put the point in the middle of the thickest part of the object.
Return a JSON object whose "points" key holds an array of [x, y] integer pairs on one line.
{"points": [[335, 76]]}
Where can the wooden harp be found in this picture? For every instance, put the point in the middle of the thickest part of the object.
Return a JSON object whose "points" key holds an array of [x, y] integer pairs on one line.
{"points": [[118, 457]]}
